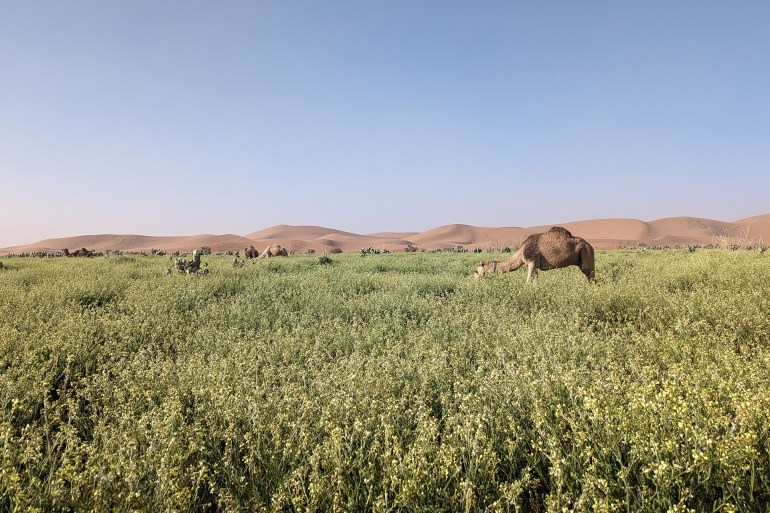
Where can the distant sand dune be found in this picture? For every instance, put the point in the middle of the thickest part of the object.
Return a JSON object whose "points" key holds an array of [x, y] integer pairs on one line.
{"points": [[621, 229], [392, 235], [691, 227], [602, 233], [135, 243], [755, 219], [284, 231], [464, 235]]}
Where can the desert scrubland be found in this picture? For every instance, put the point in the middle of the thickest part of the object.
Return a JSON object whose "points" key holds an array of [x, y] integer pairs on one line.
{"points": [[386, 382]]}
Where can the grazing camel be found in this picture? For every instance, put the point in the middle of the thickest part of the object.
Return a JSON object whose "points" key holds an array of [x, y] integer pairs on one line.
{"points": [[80, 252], [250, 252], [553, 249], [274, 251], [193, 266]]}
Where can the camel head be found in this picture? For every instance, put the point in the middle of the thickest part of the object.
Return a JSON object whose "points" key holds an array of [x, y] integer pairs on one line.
{"points": [[486, 267]]}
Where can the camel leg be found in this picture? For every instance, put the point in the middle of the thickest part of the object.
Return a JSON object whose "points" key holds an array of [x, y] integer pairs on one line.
{"points": [[587, 264], [531, 272]]}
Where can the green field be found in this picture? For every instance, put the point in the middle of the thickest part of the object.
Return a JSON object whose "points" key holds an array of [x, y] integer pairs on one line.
{"points": [[386, 382]]}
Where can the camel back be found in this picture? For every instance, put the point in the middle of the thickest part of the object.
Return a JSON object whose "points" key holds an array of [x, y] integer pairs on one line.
{"points": [[558, 230], [555, 248]]}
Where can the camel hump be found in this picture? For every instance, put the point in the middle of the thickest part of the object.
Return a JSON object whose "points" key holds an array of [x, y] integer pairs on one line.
{"points": [[560, 230], [274, 250]]}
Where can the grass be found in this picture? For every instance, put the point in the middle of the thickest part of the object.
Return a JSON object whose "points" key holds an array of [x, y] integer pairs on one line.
{"points": [[391, 382]]}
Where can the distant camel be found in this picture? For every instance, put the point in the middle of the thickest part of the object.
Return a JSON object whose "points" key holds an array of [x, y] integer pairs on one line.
{"points": [[250, 252], [80, 252], [193, 266], [553, 249], [274, 251]]}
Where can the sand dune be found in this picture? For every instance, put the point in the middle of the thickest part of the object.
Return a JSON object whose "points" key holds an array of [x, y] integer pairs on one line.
{"points": [[691, 226], [754, 219], [602, 233], [453, 235], [392, 235], [609, 229], [135, 243], [285, 231]]}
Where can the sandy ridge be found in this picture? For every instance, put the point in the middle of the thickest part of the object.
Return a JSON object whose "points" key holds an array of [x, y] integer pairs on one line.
{"points": [[602, 233]]}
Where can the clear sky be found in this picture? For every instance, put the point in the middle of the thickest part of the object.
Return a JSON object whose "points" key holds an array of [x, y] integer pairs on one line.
{"points": [[187, 117]]}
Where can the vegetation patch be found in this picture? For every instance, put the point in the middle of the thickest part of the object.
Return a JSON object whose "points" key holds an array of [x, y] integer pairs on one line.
{"points": [[94, 299], [391, 382]]}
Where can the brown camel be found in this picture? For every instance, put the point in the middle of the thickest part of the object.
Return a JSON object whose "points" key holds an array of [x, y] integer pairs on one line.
{"points": [[80, 252], [274, 251], [250, 252], [553, 249]]}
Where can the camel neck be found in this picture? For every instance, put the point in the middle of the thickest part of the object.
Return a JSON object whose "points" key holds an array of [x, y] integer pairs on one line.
{"points": [[510, 264]]}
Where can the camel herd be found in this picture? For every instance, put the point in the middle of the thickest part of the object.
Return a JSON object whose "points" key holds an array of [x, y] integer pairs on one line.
{"points": [[554, 249], [273, 250], [82, 252]]}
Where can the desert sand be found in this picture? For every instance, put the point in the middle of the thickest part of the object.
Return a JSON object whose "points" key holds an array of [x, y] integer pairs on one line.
{"points": [[602, 233]]}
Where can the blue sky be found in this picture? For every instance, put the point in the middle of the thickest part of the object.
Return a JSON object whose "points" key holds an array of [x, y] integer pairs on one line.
{"points": [[174, 118]]}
